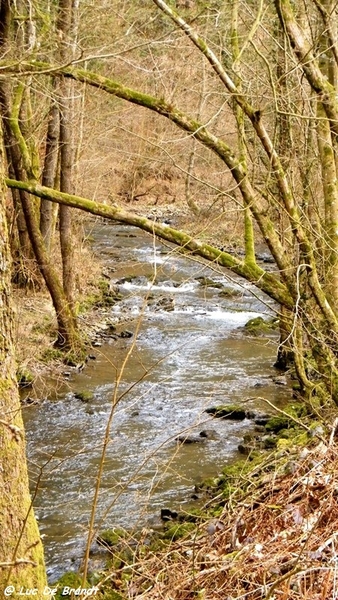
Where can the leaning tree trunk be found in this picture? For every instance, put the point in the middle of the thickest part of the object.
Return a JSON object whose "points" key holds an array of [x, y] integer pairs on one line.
{"points": [[21, 550], [22, 165], [68, 337]]}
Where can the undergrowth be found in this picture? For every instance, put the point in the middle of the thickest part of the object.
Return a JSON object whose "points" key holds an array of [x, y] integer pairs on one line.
{"points": [[268, 530]]}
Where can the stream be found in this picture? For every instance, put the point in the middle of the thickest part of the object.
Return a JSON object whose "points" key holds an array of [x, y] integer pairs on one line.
{"points": [[190, 353]]}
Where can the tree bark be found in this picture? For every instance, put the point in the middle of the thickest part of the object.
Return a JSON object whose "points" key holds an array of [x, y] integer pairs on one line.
{"points": [[68, 337], [66, 92], [21, 550], [49, 173]]}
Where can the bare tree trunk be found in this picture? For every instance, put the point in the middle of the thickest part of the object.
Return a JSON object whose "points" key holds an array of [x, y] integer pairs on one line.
{"points": [[66, 91], [249, 236], [49, 173], [22, 164], [66, 162], [67, 329], [22, 247]]}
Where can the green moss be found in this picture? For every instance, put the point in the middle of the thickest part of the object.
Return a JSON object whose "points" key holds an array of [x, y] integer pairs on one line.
{"points": [[84, 396], [111, 537], [71, 580], [102, 296], [73, 358], [297, 409], [52, 354], [24, 378], [258, 326], [278, 423], [270, 442], [177, 531], [281, 422]]}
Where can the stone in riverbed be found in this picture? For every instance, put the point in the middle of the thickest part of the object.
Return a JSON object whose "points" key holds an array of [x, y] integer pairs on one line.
{"points": [[258, 417], [207, 282], [235, 412], [232, 412], [228, 292], [162, 303], [84, 396], [259, 326], [191, 439], [210, 434], [168, 515], [126, 334], [246, 449]]}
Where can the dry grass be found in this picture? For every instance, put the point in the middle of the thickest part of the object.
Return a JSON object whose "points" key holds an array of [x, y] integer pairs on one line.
{"points": [[35, 321], [279, 542]]}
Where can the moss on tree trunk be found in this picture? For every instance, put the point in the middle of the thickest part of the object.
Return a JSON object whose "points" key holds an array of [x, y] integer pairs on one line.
{"points": [[21, 550]]}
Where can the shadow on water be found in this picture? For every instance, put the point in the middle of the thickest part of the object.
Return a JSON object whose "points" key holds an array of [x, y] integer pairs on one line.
{"points": [[184, 360]]}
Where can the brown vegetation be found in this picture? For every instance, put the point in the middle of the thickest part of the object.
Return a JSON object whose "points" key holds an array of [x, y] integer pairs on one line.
{"points": [[276, 540]]}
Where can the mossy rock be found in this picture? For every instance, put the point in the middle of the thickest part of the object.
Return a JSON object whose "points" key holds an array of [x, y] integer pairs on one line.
{"points": [[228, 292], [269, 442], [246, 449], [74, 358], [286, 433], [24, 378], [276, 424], [283, 444], [193, 516], [297, 409], [207, 282], [258, 326], [279, 423], [71, 580], [232, 412], [84, 396], [127, 279], [103, 295], [111, 537]]}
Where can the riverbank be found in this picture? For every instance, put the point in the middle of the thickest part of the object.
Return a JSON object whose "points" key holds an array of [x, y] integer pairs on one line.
{"points": [[266, 529], [272, 538]]}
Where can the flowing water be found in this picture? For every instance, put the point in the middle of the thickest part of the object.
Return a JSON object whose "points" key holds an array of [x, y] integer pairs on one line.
{"points": [[182, 361]]}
